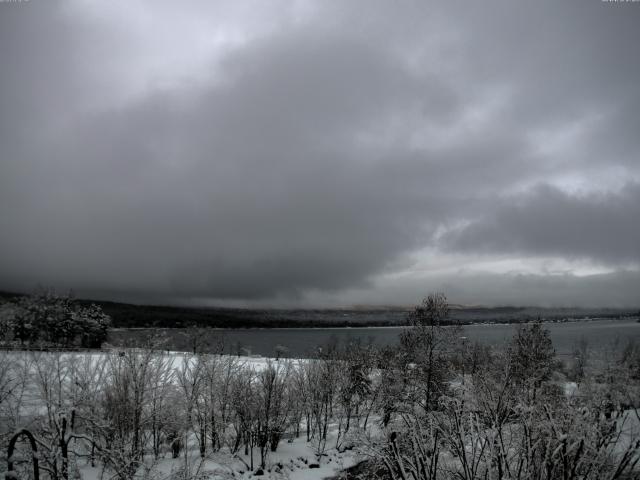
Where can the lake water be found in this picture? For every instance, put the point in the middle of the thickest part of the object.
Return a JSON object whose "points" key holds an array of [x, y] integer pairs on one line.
{"points": [[302, 342]]}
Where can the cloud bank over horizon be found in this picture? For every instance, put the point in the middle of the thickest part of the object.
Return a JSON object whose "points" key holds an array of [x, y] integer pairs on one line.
{"points": [[313, 153]]}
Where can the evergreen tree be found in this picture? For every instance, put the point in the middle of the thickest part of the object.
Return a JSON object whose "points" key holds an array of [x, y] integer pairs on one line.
{"points": [[531, 356]]}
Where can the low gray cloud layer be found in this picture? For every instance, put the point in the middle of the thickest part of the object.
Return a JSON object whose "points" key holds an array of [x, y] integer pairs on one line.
{"points": [[600, 226], [315, 150]]}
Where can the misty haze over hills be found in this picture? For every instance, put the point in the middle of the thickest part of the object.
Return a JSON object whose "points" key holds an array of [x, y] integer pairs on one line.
{"points": [[131, 315]]}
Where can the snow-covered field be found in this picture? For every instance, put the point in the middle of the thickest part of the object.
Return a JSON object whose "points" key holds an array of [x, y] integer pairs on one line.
{"points": [[294, 460]]}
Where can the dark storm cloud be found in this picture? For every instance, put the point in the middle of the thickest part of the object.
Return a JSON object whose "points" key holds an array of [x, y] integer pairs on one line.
{"points": [[240, 190], [601, 227], [316, 154]]}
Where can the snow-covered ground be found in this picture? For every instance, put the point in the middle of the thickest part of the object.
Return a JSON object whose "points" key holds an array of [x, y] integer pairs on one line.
{"points": [[292, 461], [176, 358], [295, 458]]}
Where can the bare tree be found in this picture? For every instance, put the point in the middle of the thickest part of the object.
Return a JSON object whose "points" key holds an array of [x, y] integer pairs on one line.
{"points": [[127, 391], [320, 378], [272, 388], [220, 372], [353, 385], [245, 401]]}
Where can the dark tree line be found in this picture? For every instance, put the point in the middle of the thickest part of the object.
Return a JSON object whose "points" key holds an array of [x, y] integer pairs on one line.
{"points": [[47, 319]]}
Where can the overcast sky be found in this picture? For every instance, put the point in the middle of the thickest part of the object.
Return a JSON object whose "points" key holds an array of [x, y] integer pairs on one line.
{"points": [[320, 153]]}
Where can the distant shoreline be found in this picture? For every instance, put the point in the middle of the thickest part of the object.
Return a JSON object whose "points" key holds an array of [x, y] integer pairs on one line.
{"points": [[365, 327], [134, 316]]}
